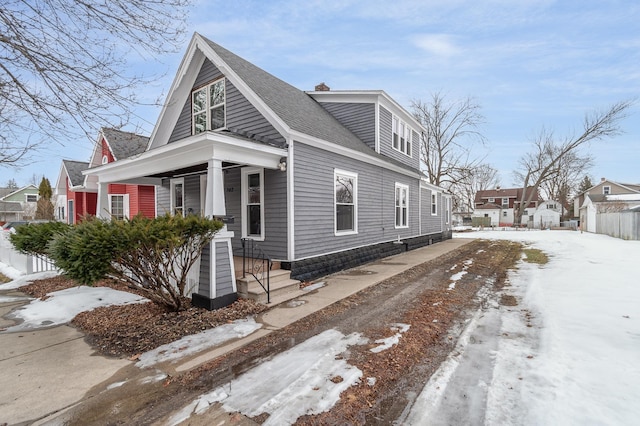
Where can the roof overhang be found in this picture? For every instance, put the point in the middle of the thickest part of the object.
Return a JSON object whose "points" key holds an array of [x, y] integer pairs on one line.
{"points": [[186, 153]]}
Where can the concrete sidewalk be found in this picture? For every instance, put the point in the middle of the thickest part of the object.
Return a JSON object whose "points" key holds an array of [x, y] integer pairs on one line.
{"points": [[44, 372]]}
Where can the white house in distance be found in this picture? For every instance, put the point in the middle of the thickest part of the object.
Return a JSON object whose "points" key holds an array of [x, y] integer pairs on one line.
{"points": [[499, 203], [605, 197]]}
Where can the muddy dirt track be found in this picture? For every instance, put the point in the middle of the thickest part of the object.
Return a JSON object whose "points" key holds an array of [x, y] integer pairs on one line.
{"points": [[426, 297]]}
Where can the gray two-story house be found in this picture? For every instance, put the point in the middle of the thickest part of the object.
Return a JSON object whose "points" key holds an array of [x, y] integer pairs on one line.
{"points": [[320, 180]]}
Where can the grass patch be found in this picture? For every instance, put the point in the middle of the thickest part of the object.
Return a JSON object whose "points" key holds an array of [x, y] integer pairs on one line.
{"points": [[4, 279], [535, 256]]}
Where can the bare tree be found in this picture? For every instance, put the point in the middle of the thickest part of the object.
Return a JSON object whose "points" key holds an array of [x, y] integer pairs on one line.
{"points": [[63, 65], [483, 177], [548, 156], [451, 130]]}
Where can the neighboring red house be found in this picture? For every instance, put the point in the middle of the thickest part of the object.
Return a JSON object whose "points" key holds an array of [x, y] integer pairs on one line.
{"points": [[78, 195], [499, 204]]}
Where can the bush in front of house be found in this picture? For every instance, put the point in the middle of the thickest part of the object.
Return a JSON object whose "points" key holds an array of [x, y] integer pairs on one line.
{"points": [[34, 238], [153, 256]]}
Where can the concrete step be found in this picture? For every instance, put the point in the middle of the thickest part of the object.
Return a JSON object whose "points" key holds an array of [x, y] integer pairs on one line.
{"points": [[280, 284]]}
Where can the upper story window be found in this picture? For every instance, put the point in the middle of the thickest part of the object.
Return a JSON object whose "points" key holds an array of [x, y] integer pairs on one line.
{"points": [[492, 200], [606, 190], [31, 198], [346, 198], [208, 107], [401, 136], [505, 203]]}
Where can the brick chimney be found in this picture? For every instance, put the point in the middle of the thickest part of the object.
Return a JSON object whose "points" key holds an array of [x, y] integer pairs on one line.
{"points": [[322, 87]]}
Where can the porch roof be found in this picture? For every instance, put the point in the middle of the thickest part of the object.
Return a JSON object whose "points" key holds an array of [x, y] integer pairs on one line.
{"points": [[188, 152]]}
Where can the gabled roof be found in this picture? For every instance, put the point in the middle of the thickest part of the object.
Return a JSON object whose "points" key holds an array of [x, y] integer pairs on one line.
{"points": [[16, 191], [74, 171], [631, 187], [295, 108], [504, 193], [124, 144]]}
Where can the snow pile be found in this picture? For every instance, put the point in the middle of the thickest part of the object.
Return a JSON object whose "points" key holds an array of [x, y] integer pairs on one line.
{"points": [[62, 306], [189, 345], [291, 384], [9, 272], [458, 276]]}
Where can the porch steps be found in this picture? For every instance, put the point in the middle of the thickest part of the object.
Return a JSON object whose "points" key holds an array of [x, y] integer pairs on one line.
{"points": [[282, 287]]}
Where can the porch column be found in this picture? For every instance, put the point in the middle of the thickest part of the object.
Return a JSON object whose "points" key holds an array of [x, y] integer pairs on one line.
{"points": [[102, 206], [217, 273]]}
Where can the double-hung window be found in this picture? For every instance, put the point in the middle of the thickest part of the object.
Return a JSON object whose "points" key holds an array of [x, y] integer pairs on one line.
{"points": [[505, 203], [31, 198], [208, 107], [434, 203], [119, 206], [401, 136], [346, 202], [402, 206]]}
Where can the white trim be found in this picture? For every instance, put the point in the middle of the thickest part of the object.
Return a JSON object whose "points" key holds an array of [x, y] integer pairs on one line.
{"points": [[208, 107], [354, 176], [125, 204], [291, 244], [245, 172], [203, 194], [71, 207], [377, 128], [172, 198], [405, 188], [407, 134]]}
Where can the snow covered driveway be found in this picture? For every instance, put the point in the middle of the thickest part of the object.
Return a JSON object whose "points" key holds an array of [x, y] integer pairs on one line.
{"points": [[568, 353]]}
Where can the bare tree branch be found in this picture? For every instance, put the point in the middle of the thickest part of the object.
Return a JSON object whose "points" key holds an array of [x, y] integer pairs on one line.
{"points": [[64, 65]]}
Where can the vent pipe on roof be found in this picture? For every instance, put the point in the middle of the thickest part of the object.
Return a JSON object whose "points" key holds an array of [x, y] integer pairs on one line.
{"points": [[322, 87]]}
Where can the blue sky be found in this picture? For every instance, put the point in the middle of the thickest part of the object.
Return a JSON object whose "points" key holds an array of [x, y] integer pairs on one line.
{"points": [[529, 64]]}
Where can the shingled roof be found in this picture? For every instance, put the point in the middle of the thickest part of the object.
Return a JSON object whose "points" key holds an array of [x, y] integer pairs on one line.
{"points": [[74, 171], [125, 144], [295, 108]]}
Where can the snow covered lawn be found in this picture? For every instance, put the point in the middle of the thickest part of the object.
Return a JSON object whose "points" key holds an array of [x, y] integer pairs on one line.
{"points": [[569, 353]]}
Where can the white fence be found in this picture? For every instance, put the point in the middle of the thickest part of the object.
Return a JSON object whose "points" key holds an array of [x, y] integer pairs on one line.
{"points": [[22, 262], [625, 224]]}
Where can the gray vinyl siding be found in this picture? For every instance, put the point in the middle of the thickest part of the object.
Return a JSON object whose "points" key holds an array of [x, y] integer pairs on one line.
{"points": [[275, 214], [205, 271], [191, 196], [223, 270], [163, 198], [358, 117], [386, 142], [430, 223], [314, 203], [241, 115]]}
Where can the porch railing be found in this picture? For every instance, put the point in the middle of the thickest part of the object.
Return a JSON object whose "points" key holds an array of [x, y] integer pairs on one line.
{"points": [[256, 263]]}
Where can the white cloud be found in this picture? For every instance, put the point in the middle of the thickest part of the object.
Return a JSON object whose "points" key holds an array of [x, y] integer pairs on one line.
{"points": [[437, 44]]}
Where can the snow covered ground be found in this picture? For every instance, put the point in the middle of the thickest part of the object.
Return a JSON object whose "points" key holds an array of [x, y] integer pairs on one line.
{"points": [[568, 353]]}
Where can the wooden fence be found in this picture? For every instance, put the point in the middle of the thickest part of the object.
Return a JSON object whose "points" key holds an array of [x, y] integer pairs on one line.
{"points": [[624, 224]]}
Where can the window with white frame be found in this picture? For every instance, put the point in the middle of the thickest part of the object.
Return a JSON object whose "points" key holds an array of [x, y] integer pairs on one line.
{"points": [[504, 214], [177, 196], [434, 203], [208, 107], [119, 206], [31, 198], [346, 202], [402, 206], [505, 203], [253, 203], [401, 134], [606, 190]]}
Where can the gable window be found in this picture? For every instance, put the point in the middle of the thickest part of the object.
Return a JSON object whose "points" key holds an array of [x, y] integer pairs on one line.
{"points": [[208, 107], [119, 206], [177, 196], [492, 200], [346, 199], [401, 136], [505, 203], [32, 198], [606, 190], [252, 203], [402, 204], [434, 203]]}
